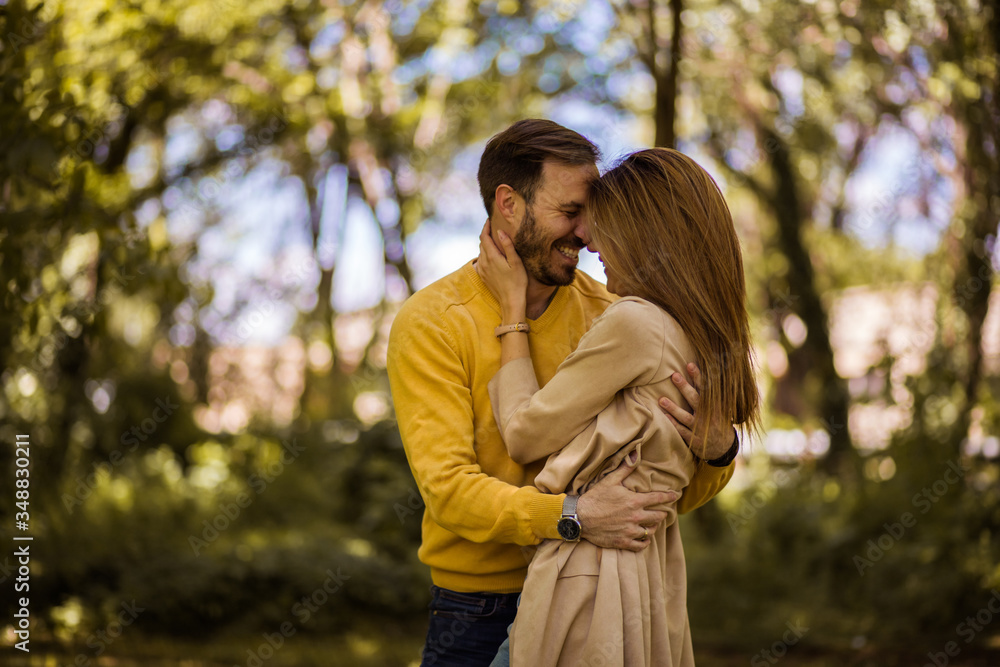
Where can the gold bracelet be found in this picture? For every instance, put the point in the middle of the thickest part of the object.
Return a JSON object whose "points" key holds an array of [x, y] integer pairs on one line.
{"points": [[511, 328]]}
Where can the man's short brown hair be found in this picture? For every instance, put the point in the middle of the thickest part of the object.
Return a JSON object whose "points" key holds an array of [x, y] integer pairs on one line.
{"points": [[515, 157]]}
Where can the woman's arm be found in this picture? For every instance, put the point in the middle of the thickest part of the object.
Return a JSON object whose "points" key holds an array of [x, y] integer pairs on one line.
{"points": [[621, 349]]}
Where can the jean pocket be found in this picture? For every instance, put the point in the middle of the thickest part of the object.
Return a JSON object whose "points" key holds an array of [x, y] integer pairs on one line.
{"points": [[450, 604]]}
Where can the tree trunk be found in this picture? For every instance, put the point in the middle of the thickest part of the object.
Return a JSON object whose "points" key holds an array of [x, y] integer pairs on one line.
{"points": [[666, 81], [323, 394], [979, 120], [804, 299]]}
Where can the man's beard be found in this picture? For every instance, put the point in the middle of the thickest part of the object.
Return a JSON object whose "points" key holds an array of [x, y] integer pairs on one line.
{"points": [[535, 254]]}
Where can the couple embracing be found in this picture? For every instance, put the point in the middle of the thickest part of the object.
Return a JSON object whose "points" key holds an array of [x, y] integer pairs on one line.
{"points": [[538, 407]]}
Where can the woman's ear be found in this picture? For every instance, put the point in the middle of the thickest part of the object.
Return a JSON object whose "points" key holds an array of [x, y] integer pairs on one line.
{"points": [[508, 204]]}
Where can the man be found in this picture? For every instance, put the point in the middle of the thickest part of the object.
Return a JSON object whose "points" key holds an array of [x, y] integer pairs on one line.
{"points": [[481, 510]]}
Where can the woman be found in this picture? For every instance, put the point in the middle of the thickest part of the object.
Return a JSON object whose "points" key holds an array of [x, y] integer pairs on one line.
{"points": [[665, 236]]}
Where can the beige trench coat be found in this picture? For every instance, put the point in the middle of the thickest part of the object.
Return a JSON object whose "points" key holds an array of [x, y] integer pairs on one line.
{"points": [[584, 605]]}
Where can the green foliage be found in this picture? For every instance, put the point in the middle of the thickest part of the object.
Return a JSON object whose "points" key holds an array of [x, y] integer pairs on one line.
{"points": [[119, 119], [240, 559], [888, 561]]}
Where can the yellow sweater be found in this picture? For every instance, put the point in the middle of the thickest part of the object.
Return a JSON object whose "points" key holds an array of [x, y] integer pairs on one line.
{"points": [[480, 507]]}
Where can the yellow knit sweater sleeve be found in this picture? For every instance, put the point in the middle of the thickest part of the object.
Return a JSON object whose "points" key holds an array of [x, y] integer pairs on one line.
{"points": [[432, 394], [706, 483]]}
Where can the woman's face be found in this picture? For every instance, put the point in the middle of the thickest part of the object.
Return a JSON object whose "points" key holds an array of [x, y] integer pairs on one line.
{"points": [[614, 286]]}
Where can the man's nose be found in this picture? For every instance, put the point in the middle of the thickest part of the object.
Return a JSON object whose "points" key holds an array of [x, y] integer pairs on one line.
{"points": [[582, 232]]}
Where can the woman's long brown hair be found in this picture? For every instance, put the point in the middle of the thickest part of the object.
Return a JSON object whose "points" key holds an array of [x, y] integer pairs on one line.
{"points": [[663, 227]]}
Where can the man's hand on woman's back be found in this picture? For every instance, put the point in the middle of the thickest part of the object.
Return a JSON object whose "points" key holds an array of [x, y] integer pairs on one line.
{"points": [[614, 517]]}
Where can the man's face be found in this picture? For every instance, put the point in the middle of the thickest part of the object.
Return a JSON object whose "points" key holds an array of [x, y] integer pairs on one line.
{"points": [[554, 228]]}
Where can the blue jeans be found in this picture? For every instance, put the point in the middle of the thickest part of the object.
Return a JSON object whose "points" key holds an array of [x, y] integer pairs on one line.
{"points": [[503, 655], [467, 629]]}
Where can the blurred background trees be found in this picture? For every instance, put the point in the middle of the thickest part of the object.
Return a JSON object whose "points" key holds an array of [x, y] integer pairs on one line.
{"points": [[211, 211]]}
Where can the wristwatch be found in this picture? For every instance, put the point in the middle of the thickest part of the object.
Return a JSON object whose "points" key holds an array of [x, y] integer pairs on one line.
{"points": [[569, 522]]}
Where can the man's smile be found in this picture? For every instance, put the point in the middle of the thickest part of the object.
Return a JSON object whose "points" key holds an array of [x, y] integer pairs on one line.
{"points": [[568, 251]]}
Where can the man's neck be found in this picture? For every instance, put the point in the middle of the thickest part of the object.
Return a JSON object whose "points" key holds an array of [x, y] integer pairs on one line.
{"points": [[538, 298]]}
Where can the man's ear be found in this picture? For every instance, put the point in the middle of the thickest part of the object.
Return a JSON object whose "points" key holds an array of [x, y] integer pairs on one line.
{"points": [[508, 204]]}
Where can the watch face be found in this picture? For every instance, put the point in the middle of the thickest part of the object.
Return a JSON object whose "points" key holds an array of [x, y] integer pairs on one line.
{"points": [[569, 529]]}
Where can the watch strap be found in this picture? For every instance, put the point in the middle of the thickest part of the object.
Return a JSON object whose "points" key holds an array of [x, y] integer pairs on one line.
{"points": [[511, 328], [569, 507], [568, 526], [729, 456]]}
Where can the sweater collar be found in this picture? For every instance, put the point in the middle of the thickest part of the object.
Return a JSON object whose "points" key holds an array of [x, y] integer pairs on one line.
{"points": [[551, 312]]}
